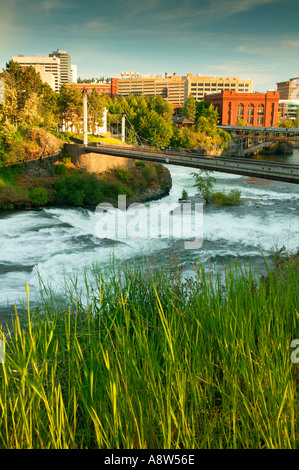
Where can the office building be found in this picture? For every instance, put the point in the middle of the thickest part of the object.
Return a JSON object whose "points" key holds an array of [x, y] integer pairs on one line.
{"points": [[65, 65], [289, 90], [74, 71], [288, 109], [176, 89], [171, 88], [198, 85]]}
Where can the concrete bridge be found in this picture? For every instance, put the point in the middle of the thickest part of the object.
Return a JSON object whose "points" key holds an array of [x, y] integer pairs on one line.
{"points": [[284, 172]]}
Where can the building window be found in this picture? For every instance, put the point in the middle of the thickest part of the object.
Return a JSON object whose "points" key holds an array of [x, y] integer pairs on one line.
{"points": [[240, 109], [250, 120], [250, 110], [260, 109], [260, 120]]}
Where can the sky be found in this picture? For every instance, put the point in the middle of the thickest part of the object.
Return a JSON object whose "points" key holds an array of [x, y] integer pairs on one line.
{"points": [[250, 39]]}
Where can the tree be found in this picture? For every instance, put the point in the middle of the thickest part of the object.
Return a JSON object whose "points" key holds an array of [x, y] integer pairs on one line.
{"points": [[70, 105], [189, 108], [95, 111], [154, 128], [49, 108], [162, 107], [206, 109], [204, 183], [287, 123]]}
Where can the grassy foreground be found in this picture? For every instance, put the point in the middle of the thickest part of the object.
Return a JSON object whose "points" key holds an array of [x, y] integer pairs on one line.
{"points": [[142, 360]]}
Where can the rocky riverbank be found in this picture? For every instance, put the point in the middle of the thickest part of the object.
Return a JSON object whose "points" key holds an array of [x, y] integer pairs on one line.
{"points": [[50, 178]]}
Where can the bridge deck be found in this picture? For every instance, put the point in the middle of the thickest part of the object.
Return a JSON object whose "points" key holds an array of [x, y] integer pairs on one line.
{"points": [[259, 169]]}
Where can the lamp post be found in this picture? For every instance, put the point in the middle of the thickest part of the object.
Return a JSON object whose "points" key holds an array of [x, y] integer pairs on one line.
{"points": [[123, 127], [84, 93]]}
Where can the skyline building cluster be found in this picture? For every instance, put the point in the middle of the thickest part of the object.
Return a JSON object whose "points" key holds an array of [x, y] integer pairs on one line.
{"points": [[57, 69]]}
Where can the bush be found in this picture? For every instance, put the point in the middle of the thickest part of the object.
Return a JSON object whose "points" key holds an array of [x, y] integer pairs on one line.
{"points": [[140, 164], [221, 198], [38, 196], [185, 195], [148, 172], [60, 169], [81, 189], [123, 174]]}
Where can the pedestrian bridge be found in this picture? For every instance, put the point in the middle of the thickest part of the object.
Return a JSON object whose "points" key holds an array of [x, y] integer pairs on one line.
{"points": [[284, 172]]}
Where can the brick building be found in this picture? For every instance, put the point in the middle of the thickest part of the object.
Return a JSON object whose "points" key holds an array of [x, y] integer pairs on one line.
{"points": [[110, 89], [256, 109]]}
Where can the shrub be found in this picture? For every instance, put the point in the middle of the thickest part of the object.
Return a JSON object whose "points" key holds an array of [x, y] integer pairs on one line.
{"points": [[60, 169], [81, 189], [231, 198], [148, 172], [185, 195], [123, 174], [140, 164], [38, 196]]}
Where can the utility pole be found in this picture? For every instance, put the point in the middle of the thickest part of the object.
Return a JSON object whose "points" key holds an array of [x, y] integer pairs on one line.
{"points": [[84, 93], [123, 127]]}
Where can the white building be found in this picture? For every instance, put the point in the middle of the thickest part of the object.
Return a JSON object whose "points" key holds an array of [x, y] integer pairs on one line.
{"points": [[74, 70], [65, 65]]}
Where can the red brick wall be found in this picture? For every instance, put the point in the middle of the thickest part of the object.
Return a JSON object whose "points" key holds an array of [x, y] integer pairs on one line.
{"points": [[227, 104], [100, 87]]}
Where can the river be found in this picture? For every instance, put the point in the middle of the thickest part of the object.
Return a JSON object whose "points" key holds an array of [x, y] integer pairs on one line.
{"points": [[57, 242]]}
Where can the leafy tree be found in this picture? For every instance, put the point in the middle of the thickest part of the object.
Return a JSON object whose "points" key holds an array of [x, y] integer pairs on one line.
{"points": [[162, 107], [287, 123], [154, 128], [29, 114], [204, 183], [28, 100], [189, 108], [95, 111], [206, 109], [70, 105], [49, 108]]}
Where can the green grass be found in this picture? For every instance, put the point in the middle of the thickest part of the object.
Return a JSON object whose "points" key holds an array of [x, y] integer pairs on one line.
{"points": [[105, 139], [140, 359], [8, 176]]}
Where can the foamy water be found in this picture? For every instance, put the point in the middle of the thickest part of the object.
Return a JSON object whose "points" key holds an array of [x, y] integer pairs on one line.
{"points": [[63, 241]]}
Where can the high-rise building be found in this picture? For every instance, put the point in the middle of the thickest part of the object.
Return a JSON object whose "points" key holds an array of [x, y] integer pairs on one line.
{"points": [[171, 88], [55, 69], [74, 73], [65, 65], [176, 89], [49, 68], [198, 85], [289, 90]]}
